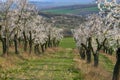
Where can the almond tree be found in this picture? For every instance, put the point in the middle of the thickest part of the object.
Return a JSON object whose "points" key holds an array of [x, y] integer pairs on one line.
{"points": [[112, 18], [20, 22], [93, 35], [5, 8], [43, 34]]}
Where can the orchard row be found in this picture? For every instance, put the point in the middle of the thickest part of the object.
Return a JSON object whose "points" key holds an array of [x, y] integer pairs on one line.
{"points": [[20, 24], [100, 32]]}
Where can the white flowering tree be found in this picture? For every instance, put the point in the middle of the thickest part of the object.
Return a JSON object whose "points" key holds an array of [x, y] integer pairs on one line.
{"points": [[87, 38], [14, 14], [54, 35], [99, 31], [5, 20], [19, 21], [111, 10]]}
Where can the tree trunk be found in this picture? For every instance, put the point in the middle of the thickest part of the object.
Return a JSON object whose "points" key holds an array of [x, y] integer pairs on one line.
{"points": [[46, 45], [118, 44], [49, 42], [110, 52], [25, 41], [30, 42], [36, 49], [7, 46], [3, 40], [89, 49], [96, 59], [16, 44], [82, 53], [42, 48], [54, 44], [96, 54], [116, 72], [88, 53]]}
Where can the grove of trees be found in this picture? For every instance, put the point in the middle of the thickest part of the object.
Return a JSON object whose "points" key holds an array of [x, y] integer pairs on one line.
{"points": [[100, 32], [20, 25]]}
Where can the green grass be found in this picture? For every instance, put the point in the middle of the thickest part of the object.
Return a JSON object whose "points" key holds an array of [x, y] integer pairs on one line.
{"points": [[55, 66], [107, 64], [67, 43], [70, 11], [91, 9], [58, 11]]}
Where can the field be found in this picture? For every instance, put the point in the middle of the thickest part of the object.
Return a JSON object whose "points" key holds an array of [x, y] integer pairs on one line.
{"points": [[61, 63], [67, 43], [71, 11]]}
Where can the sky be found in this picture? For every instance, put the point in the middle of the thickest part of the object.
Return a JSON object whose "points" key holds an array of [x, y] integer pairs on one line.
{"points": [[75, 1]]}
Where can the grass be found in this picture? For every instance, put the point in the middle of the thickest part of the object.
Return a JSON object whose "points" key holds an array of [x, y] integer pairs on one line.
{"points": [[70, 11], [57, 65], [102, 72], [107, 63], [67, 42], [91, 9], [59, 11]]}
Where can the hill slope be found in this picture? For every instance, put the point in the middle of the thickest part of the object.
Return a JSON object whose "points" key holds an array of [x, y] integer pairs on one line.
{"points": [[73, 10]]}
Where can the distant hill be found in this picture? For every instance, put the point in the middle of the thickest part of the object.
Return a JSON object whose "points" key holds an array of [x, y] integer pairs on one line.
{"points": [[51, 4], [73, 9], [57, 3], [66, 22], [65, 8]]}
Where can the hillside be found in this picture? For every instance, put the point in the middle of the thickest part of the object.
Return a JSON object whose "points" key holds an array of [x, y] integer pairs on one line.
{"points": [[73, 9], [66, 22], [44, 4]]}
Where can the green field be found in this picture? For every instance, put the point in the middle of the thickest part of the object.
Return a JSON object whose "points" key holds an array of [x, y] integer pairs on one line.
{"points": [[70, 11], [67, 43]]}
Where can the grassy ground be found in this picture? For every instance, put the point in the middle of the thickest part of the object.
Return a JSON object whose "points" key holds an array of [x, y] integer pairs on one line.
{"points": [[61, 63], [67, 43], [54, 64], [106, 62], [102, 72]]}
